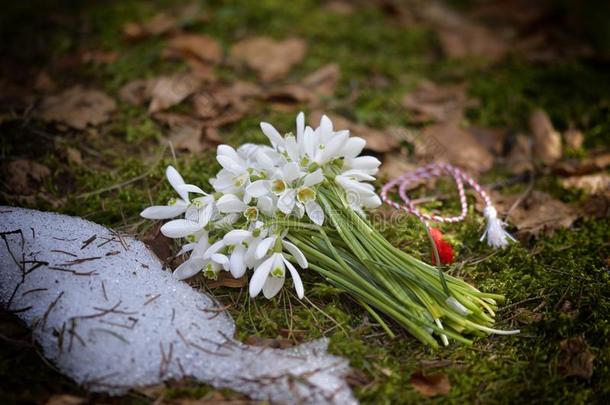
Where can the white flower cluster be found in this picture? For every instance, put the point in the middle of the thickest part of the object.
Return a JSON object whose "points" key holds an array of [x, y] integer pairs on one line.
{"points": [[236, 228]]}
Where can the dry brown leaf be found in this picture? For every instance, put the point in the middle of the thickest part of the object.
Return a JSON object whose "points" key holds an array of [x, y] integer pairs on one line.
{"points": [[546, 140], [203, 48], [78, 107], [159, 24], [575, 358], [44, 83], [394, 165], [376, 140], [448, 142], [167, 91], [74, 156], [99, 57], [430, 385], [24, 177], [462, 37], [323, 81], [527, 316], [311, 90], [271, 59], [586, 166], [573, 138], [430, 101], [158, 243], [340, 7], [221, 105], [597, 206], [540, 212], [519, 159], [357, 378], [188, 138], [227, 280], [491, 138], [590, 184], [187, 133], [65, 399], [136, 92]]}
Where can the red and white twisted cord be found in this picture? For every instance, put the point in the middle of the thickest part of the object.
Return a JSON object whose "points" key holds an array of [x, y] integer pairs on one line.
{"points": [[496, 236]]}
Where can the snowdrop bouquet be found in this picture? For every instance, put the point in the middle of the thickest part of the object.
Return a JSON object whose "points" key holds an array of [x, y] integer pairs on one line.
{"points": [[300, 204]]}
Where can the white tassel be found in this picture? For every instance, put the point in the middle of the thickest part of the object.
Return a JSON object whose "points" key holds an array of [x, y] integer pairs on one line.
{"points": [[497, 237]]}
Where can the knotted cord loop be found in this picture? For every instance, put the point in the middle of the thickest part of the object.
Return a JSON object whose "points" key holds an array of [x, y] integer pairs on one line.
{"points": [[495, 233]]}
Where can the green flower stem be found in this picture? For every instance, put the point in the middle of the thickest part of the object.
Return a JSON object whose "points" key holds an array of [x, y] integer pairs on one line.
{"points": [[353, 256]]}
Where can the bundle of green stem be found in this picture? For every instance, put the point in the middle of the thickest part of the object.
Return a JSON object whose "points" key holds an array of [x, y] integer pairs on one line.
{"points": [[352, 255]]}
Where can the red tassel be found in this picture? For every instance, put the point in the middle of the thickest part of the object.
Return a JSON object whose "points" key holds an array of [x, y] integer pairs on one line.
{"points": [[445, 250]]}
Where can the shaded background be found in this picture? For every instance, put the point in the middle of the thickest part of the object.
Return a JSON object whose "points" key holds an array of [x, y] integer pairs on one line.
{"points": [[97, 97]]}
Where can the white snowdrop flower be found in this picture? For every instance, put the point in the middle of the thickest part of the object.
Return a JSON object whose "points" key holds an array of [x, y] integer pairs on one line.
{"points": [[235, 173], [257, 182], [239, 241], [270, 275], [175, 206], [199, 261], [306, 198]]}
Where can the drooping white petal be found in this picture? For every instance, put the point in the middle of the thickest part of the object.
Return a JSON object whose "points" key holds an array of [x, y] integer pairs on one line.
{"points": [[227, 150], [274, 136], [223, 180], [258, 188], [230, 203], [206, 214], [265, 161], [296, 253], [353, 147], [313, 178], [326, 125], [237, 263], [230, 164], [272, 286], [221, 259], [260, 276], [310, 142], [349, 184], [179, 228], [371, 202], [300, 127], [333, 146], [189, 268], [314, 212], [186, 248], [368, 164], [357, 175], [213, 249], [236, 236], [291, 172], [299, 210], [292, 148], [265, 205], [296, 279], [286, 201], [190, 188], [175, 179], [201, 246], [264, 246], [163, 211]]}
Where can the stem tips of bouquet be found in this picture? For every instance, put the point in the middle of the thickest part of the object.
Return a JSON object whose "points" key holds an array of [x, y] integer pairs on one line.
{"points": [[300, 205]]}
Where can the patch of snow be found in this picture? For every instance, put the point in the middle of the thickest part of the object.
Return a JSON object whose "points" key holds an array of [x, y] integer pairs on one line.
{"points": [[108, 315]]}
